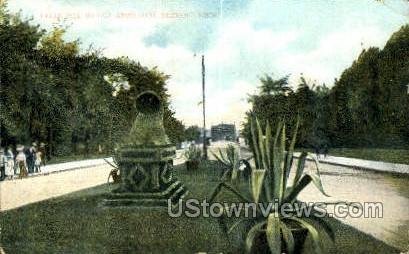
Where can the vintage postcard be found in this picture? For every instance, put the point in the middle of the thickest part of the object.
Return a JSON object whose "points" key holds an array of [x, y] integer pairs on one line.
{"points": [[204, 126]]}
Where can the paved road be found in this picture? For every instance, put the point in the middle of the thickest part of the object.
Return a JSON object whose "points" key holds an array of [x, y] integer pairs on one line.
{"points": [[366, 164], [345, 183], [18, 192], [353, 185]]}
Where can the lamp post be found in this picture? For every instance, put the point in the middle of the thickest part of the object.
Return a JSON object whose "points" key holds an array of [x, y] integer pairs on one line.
{"points": [[204, 109]]}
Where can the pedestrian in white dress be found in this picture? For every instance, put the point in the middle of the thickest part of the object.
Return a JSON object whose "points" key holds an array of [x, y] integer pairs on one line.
{"points": [[2, 164], [37, 162], [21, 162], [10, 162]]}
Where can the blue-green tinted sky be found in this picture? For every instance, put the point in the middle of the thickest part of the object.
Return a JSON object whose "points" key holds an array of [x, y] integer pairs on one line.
{"points": [[241, 41]]}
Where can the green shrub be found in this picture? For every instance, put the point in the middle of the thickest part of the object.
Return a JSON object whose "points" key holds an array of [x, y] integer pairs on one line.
{"points": [[230, 161], [192, 153]]}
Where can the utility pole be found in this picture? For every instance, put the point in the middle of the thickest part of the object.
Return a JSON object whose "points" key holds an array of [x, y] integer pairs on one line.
{"points": [[204, 110]]}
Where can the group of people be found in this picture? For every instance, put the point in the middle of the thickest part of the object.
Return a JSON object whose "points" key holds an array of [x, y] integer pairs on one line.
{"points": [[25, 161]]}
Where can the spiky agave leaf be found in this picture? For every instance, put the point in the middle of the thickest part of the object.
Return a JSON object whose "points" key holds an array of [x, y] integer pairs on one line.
{"points": [[276, 163], [226, 174], [278, 171], [295, 190], [228, 155], [324, 224], [234, 174], [236, 224], [219, 158], [300, 168], [282, 145], [114, 164], [261, 145], [222, 156], [263, 157], [313, 232], [269, 178], [257, 158], [273, 233], [290, 153], [282, 186], [257, 182], [316, 177], [252, 234], [219, 189], [301, 182], [274, 146], [268, 145], [288, 237], [232, 155]]}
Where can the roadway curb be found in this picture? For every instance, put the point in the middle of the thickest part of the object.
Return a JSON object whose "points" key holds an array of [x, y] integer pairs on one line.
{"points": [[15, 177], [399, 169]]}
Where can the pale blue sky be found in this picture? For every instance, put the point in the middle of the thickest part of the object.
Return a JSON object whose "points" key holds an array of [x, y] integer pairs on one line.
{"points": [[241, 41]]}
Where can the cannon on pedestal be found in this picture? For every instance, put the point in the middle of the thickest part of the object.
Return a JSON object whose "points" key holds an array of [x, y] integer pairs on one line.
{"points": [[145, 160]]}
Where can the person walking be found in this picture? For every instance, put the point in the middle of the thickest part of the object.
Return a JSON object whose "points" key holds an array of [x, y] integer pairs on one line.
{"points": [[43, 153], [2, 164], [21, 161], [37, 163], [30, 159], [10, 163]]}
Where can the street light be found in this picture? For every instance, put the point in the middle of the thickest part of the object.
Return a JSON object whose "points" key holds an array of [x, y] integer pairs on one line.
{"points": [[204, 109], [203, 102]]}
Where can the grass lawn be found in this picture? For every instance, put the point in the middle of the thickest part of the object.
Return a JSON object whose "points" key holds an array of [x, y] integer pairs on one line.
{"points": [[375, 154], [69, 158], [75, 224]]}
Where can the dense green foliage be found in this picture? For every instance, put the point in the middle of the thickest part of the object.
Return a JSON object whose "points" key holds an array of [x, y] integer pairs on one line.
{"points": [[368, 106], [192, 133], [76, 103]]}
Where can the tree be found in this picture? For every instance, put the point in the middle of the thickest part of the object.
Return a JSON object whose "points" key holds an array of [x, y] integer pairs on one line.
{"points": [[192, 133], [269, 86], [51, 93]]}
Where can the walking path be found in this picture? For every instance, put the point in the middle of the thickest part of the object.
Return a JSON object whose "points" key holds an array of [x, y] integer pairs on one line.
{"points": [[56, 180], [80, 175], [388, 192], [72, 165], [366, 164]]}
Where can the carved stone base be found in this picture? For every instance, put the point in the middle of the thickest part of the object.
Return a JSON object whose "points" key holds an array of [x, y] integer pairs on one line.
{"points": [[146, 178], [173, 192]]}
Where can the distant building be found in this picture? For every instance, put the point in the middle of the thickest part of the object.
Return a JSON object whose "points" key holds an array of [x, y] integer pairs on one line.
{"points": [[224, 132]]}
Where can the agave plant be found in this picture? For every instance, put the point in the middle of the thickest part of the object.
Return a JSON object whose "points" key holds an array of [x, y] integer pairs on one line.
{"points": [[192, 153], [269, 184], [230, 160]]}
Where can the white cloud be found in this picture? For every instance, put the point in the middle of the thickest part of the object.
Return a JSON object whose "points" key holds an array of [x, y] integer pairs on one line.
{"points": [[238, 38], [334, 53]]}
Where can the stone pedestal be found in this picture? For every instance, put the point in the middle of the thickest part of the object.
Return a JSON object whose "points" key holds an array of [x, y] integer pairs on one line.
{"points": [[147, 178], [145, 161]]}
